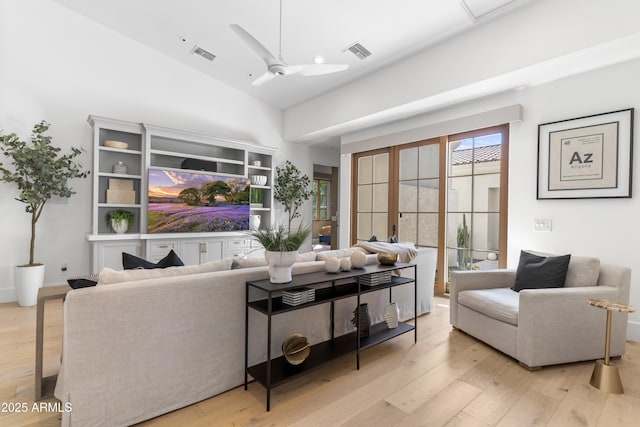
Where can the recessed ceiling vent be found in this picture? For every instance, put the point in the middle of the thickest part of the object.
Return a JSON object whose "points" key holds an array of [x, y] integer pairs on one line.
{"points": [[197, 50], [358, 50]]}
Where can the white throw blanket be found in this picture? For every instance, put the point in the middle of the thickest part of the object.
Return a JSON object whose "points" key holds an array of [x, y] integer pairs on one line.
{"points": [[406, 251]]}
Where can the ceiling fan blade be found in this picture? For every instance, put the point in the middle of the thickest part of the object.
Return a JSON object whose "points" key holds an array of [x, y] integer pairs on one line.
{"points": [[319, 69], [263, 79], [255, 45]]}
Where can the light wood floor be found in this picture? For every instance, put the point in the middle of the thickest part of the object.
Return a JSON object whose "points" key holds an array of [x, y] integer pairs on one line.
{"points": [[446, 379]]}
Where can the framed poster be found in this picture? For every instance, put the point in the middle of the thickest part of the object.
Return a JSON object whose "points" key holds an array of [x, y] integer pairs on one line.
{"points": [[587, 157]]}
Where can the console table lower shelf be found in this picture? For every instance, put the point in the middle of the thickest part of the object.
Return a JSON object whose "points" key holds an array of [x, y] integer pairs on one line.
{"points": [[323, 354]]}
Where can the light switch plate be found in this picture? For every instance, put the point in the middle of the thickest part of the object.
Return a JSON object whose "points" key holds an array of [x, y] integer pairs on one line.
{"points": [[542, 225]]}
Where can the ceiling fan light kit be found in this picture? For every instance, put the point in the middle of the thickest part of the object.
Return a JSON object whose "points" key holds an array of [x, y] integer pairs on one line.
{"points": [[276, 67]]}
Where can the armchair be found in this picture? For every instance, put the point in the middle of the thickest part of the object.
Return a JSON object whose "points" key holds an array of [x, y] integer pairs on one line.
{"points": [[541, 327]]}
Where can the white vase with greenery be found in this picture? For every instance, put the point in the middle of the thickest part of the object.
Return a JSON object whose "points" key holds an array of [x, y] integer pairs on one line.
{"points": [[39, 172], [281, 249]]}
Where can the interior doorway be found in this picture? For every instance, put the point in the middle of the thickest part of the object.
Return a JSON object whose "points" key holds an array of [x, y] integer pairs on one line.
{"points": [[324, 204]]}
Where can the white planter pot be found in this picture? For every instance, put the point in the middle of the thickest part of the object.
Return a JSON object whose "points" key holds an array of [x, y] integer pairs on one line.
{"points": [[280, 265], [28, 279], [120, 226]]}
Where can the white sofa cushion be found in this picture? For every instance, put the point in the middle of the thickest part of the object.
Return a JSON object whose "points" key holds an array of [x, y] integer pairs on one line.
{"points": [[109, 276], [498, 303], [582, 271]]}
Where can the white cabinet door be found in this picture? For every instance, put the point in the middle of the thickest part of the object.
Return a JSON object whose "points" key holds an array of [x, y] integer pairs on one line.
{"points": [[109, 254], [158, 249], [197, 251]]}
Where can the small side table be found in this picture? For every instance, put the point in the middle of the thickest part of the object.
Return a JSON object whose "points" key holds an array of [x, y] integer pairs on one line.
{"points": [[605, 376], [44, 387]]}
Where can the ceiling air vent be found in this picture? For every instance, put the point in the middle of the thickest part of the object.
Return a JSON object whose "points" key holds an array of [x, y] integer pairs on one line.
{"points": [[358, 50], [197, 50]]}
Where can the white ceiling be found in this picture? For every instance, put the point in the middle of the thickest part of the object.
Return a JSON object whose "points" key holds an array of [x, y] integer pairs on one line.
{"points": [[389, 29]]}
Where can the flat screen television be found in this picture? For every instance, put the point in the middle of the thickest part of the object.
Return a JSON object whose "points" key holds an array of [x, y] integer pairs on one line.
{"points": [[189, 202]]}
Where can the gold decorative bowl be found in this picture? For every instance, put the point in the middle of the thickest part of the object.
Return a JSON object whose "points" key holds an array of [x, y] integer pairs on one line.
{"points": [[387, 258], [296, 348]]}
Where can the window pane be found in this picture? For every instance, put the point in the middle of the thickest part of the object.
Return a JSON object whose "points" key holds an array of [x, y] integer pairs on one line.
{"points": [[429, 156], [381, 167], [365, 170], [408, 163], [486, 231], [380, 228], [428, 230], [408, 196], [364, 226], [380, 197], [407, 228], [459, 194], [486, 193], [428, 195], [365, 198]]}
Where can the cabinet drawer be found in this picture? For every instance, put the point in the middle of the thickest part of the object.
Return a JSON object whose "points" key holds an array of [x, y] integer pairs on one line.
{"points": [[162, 247], [238, 244]]}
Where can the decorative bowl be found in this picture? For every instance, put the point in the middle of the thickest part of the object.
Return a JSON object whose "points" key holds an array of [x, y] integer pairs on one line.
{"points": [[296, 348], [256, 163], [116, 144], [387, 258], [258, 180]]}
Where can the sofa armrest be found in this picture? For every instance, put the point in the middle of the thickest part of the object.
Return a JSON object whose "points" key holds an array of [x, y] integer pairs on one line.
{"points": [[558, 324], [475, 279]]}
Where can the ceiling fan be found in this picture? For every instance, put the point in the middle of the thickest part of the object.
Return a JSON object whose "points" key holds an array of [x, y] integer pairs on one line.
{"points": [[275, 65]]}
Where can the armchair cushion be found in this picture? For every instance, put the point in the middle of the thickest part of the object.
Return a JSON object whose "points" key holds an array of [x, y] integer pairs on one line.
{"points": [[537, 272], [499, 303]]}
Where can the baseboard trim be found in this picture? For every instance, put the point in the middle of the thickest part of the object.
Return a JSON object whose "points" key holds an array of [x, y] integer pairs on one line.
{"points": [[8, 295], [633, 330]]}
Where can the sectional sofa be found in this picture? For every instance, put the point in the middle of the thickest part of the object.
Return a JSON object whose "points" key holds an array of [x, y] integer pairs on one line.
{"points": [[140, 348]]}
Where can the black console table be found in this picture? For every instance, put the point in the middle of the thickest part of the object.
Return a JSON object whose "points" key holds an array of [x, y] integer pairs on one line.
{"points": [[328, 288]]}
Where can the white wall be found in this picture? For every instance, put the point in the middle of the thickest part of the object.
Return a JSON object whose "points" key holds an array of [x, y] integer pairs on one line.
{"points": [[600, 227], [59, 66]]}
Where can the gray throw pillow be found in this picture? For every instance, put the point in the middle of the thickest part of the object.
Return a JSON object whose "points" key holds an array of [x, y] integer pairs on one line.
{"points": [[539, 272]]}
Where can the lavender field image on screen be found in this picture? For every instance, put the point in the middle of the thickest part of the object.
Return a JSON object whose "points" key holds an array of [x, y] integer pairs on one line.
{"points": [[183, 202]]}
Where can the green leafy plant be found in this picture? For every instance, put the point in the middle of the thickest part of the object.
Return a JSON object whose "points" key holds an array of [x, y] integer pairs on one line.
{"points": [[281, 239], [119, 215], [463, 237], [292, 188], [39, 172]]}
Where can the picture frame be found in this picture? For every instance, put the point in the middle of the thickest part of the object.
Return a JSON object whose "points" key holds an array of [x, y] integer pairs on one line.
{"points": [[587, 157]]}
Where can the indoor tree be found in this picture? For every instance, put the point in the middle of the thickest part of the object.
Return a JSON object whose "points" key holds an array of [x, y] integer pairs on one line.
{"points": [[292, 188], [39, 172]]}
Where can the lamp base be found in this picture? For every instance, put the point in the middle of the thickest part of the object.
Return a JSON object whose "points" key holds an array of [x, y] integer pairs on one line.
{"points": [[606, 378]]}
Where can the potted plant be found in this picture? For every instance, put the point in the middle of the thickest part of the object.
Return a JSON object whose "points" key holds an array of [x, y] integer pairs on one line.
{"points": [[281, 244], [281, 249], [39, 172], [119, 221]]}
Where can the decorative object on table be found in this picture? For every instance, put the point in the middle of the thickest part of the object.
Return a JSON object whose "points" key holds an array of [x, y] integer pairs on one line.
{"points": [[259, 180], [492, 256], [116, 144], [39, 173], [299, 296], [587, 157], [358, 259], [362, 312], [345, 264], [332, 264], [281, 249], [605, 376], [119, 220], [387, 258], [391, 315], [120, 168], [254, 222], [374, 279], [257, 163], [296, 348], [121, 191]]}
